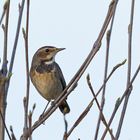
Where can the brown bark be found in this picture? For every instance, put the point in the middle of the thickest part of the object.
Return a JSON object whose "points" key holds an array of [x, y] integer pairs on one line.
{"points": [[2, 105]]}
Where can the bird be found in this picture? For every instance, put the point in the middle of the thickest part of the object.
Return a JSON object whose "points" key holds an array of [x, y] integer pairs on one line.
{"points": [[47, 76]]}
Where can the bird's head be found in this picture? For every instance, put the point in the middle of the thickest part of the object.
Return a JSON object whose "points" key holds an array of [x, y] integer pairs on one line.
{"points": [[46, 54]]}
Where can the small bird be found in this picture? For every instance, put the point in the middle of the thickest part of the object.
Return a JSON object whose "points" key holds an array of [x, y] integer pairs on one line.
{"points": [[47, 76]]}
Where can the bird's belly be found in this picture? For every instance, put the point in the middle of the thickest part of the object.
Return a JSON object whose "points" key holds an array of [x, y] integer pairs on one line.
{"points": [[48, 85]]}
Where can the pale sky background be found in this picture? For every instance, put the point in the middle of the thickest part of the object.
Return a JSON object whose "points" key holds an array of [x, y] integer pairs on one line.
{"points": [[75, 25]]}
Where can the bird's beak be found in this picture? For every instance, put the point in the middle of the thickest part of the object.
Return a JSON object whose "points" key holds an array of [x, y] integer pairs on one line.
{"points": [[60, 49]]}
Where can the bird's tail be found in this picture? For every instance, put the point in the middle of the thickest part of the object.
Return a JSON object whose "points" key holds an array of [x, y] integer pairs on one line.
{"points": [[64, 107]]}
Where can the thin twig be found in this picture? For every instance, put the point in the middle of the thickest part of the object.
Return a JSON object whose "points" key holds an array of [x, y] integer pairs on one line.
{"points": [[130, 28], [98, 105], [103, 92], [30, 121], [6, 4], [15, 45], [113, 70], [30, 124], [25, 35], [119, 100], [80, 118], [3, 71], [80, 72], [5, 28], [3, 119], [12, 133], [27, 118], [108, 38]]}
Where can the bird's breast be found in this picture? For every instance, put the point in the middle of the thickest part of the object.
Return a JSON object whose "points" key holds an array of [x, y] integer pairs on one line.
{"points": [[47, 83]]}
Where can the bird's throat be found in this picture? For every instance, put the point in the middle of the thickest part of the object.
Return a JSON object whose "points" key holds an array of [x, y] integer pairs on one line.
{"points": [[50, 61]]}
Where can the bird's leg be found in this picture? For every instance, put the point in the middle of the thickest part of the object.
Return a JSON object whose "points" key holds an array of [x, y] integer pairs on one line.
{"points": [[44, 110]]}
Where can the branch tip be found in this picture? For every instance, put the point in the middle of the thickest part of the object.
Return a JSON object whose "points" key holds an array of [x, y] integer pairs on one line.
{"points": [[24, 33], [3, 27], [24, 101], [118, 101], [88, 77], [120, 64], [19, 7], [112, 3], [11, 128], [124, 62], [34, 106], [108, 35]]}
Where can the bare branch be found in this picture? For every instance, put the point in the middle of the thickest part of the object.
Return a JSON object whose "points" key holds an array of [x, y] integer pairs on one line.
{"points": [[25, 35], [6, 5], [111, 73], [81, 70], [15, 45], [119, 100], [129, 69], [30, 124], [3, 119], [27, 118], [12, 133], [102, 117], [3, 72], [85, 112], [108, 38], [5, 29], [80, 118]]}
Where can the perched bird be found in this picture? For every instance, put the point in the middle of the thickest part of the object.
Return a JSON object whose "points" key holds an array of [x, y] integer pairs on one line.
{"points": [[47, 76]]}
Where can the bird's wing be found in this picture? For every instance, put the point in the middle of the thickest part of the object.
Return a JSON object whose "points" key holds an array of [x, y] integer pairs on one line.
{"points": [[60, 74]]}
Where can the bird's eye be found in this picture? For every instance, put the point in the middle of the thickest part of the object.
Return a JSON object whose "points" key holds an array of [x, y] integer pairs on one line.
{"points": [[47, 50]]}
